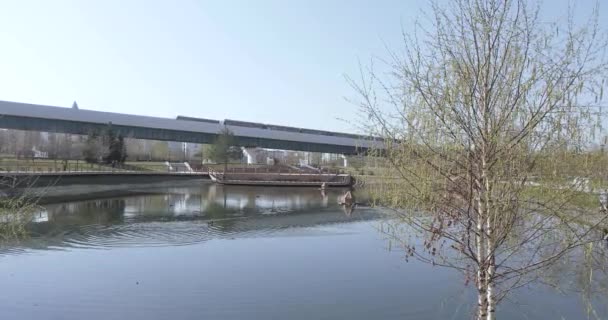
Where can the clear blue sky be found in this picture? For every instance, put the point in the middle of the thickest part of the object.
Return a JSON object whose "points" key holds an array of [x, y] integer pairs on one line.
{"points": [[278, 62]]}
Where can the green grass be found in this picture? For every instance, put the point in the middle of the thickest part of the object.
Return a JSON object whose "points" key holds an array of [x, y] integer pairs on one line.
{"points": [[148, 165], [49, 165], [38, 165], [585, 200]]}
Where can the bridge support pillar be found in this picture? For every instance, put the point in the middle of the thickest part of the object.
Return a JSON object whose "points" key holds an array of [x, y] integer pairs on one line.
{"points": [[345, 160], [250, 153]]}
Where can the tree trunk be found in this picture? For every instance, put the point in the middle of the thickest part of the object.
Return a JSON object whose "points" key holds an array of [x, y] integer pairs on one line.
{"points": [[485, 245], [490, 261], [482, 302], [485, 296], [491, 303], [482, 294]]}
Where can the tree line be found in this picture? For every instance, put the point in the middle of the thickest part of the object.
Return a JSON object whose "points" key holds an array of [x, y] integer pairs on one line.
{"points": [[99, 146]]}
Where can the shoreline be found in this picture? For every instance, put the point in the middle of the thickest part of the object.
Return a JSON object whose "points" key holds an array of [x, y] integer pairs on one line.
{"points": [[88, 190]]}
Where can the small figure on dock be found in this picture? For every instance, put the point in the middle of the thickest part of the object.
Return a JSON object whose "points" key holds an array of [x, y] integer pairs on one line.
{"points": [[323, 186], [346, 199]]}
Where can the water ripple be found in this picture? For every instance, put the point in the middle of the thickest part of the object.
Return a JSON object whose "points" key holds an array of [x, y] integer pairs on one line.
{"points": [[183, 232], [148, 234], [182, 217]]}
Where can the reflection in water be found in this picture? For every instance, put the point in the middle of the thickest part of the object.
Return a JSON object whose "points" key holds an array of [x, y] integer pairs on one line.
{"points": [[348, 202], [304, 263], [185, 215], [348, 209]]}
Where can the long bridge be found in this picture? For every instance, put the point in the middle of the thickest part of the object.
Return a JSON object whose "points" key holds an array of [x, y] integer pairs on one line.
{"points": [[24, 116]]}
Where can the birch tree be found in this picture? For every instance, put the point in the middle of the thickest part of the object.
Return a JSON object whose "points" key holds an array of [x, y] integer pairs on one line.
{"points": [[467, 108]]}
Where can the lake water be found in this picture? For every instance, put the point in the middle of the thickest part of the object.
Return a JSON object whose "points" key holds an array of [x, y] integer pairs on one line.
{"points": [[216, 252]]}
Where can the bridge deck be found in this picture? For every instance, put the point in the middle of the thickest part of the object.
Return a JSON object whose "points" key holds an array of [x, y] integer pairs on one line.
{"points": [[25, 116]]}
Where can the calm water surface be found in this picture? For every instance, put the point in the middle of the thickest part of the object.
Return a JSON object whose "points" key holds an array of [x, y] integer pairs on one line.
{"points": [[210, 252]]}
